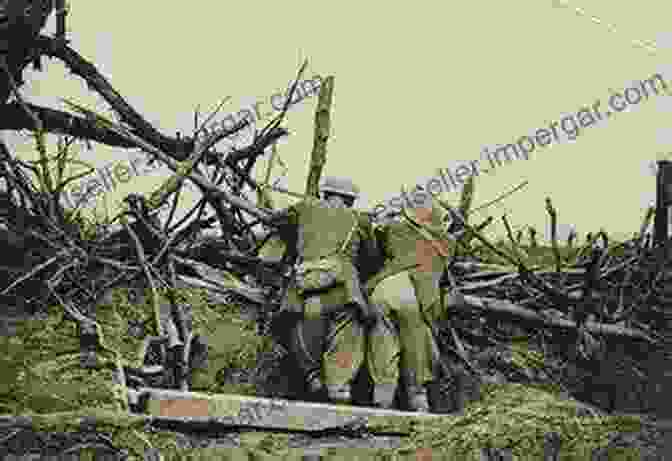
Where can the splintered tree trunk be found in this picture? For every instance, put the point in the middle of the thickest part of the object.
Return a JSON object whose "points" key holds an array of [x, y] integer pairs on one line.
{"points": [[322, 127]]}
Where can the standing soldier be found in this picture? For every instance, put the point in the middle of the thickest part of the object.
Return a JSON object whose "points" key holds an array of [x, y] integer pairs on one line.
{"points": [[407, 289], [329, 237]]}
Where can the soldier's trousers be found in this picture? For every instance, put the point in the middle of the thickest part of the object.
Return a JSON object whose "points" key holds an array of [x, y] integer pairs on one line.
{"points": [[336, 345], [405, 297]]}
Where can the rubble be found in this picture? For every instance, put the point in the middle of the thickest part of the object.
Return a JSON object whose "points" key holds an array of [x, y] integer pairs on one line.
{"points": [[113, 323]]}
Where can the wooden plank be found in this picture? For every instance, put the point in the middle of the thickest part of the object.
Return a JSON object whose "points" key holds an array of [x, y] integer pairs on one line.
{"points": [[262, 412]]}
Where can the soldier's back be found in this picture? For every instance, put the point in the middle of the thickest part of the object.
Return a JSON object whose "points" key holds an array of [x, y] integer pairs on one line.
{"points": [[324, 230]]}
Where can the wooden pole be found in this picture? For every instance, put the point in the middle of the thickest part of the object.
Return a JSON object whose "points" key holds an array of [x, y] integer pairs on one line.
{"points": [[322, 128]]}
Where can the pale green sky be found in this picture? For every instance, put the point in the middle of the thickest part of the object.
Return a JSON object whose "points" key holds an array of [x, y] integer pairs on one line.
{"points": [[418, 86]]}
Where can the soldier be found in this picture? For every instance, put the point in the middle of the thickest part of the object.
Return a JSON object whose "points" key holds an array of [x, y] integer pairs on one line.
{"points": [[329, 238], [407, 289]]}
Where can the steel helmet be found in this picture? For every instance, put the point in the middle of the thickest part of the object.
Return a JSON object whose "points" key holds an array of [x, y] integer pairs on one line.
{"points": [[341, 186]]}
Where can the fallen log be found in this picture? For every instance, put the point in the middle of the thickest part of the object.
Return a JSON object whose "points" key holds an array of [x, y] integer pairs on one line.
{"points": [[507, 307], [215, 288]]}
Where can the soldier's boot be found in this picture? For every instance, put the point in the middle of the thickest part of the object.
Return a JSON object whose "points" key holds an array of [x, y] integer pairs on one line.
{"points": [[383, 395], [339, 393], [418, 399]]}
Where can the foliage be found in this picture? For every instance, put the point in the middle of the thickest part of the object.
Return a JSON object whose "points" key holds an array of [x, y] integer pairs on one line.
{"points": [[234, 344], [517, 417], [51, 379]]}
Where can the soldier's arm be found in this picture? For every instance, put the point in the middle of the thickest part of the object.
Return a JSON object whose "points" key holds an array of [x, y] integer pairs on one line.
{"points": [[371, 254], [368, 234], [381, 233], [286, 222], [376, 268]]}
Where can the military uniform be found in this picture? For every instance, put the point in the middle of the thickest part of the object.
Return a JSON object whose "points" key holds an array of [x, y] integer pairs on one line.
{"points": [[329, 341], [407, 289]]}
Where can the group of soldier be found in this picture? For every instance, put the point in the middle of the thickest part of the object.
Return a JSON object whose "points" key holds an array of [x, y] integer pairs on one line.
{"points": [[364, 293]]}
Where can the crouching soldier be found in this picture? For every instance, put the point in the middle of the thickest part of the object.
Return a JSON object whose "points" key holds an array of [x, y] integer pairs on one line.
{"points": [[407, 289], [328, 341]]}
